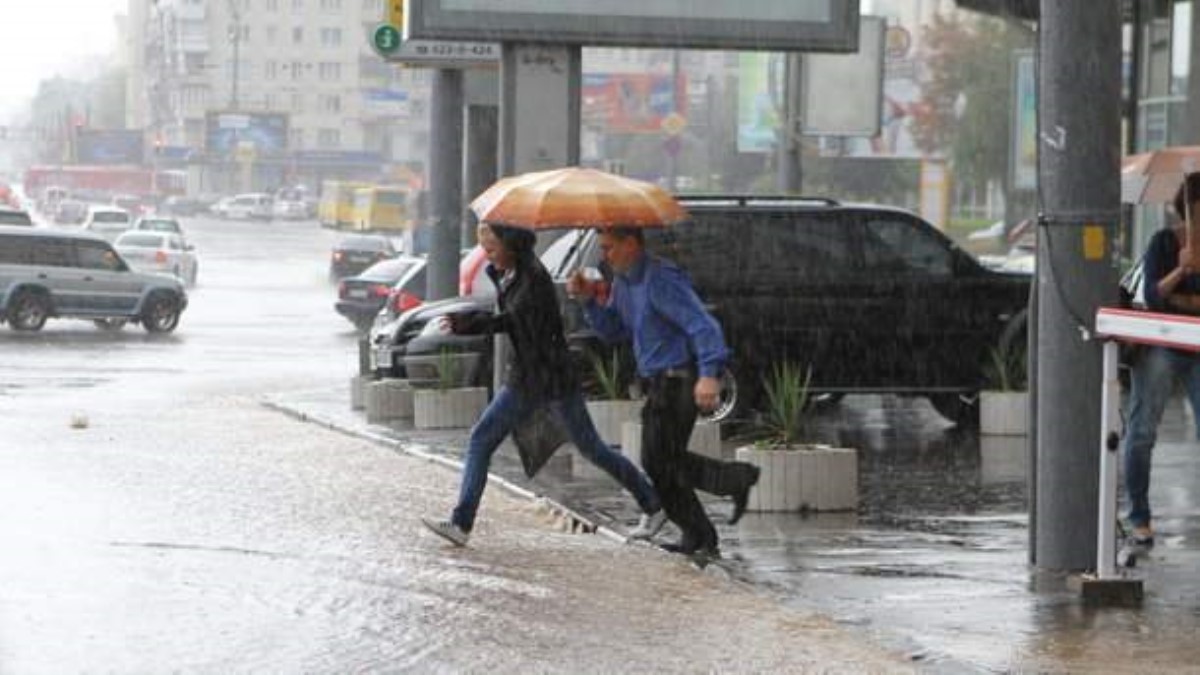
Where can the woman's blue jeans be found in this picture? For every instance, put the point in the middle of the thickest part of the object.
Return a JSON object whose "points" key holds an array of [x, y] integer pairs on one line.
{"points": [[1154, 376], [503, 415]]}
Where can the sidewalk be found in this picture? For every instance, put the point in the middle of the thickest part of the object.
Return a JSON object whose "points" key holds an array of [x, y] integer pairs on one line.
{"points": [[933, 566]]}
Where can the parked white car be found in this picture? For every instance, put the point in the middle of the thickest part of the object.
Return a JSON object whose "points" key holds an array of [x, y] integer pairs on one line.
{"points": [[250, 206], [107, 221], [163, 252]]}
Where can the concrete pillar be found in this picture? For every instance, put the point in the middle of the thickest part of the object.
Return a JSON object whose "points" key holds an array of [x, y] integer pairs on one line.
{"points": [[445, 183]]}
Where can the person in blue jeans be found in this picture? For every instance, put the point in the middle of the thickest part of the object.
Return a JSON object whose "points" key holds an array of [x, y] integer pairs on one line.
{"points": [[1171, 282], [541, 377]]}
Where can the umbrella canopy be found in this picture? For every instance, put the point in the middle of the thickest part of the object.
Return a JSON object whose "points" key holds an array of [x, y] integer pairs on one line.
{"points": [[576, 198], [1154, 177]]}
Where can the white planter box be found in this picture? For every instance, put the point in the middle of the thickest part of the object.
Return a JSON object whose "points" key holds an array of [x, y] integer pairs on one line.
{"points": [[1004, 413], [705, 440], [1003, 459], [358, 391], [449, 409], [814, 478], [388, 399], [609, 417]]}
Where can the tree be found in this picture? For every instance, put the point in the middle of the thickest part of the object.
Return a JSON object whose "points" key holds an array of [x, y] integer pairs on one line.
{"points": [[967, 94]]}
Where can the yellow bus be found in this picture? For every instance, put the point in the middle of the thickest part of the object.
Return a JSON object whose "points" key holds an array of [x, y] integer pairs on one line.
{"points": [[382, 207], [336, 208]]}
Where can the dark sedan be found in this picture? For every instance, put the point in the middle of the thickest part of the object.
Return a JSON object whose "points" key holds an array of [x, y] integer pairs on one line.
{"points": [[361, 297], [356, 253]]}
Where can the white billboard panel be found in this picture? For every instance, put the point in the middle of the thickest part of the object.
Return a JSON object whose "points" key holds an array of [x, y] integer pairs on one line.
{"points": [[843, 93], [769, 25]]}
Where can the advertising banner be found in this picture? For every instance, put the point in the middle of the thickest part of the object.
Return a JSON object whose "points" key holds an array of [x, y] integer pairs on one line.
{"points": [[632, 103], [117, 146], [226, 132]]}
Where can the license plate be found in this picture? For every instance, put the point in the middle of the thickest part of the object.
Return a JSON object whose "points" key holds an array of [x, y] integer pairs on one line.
{"points": [[357, 294], [383, 357]]}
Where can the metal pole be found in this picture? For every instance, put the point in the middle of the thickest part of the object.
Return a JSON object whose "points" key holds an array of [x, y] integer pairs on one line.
{"points": [[445, 183], [482, 158], [1110, 432], [790, 173], [1078, 169], [1192, 118]]}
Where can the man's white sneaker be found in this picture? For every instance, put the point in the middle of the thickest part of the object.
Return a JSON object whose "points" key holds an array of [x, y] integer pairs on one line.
{"points": [[649, 525], [448, 531]]}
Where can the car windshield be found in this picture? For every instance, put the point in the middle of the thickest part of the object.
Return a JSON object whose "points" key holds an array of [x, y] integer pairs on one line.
{"points": [[389, 269], [365, 244], [159, 225], [140, 240], [110, 217], [14, 218]]}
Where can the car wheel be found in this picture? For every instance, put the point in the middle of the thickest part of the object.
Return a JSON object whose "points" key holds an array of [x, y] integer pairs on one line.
{"points": [[161, 314], [28, 311], [110, 325], [961, 409]]}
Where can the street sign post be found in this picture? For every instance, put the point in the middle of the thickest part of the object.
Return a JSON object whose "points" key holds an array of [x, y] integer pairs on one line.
{"points": [[386, 40]]}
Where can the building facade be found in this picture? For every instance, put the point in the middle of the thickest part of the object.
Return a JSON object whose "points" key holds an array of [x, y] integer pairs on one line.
{"points": [[255, 94]]}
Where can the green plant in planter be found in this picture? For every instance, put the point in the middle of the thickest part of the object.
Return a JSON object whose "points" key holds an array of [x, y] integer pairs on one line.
{"points": [[609, 376], [447, 370], [1006, 369], [788, 396]]}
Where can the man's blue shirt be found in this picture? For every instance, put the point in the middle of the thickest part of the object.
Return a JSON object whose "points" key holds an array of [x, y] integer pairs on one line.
{"points": [[656, 304]]}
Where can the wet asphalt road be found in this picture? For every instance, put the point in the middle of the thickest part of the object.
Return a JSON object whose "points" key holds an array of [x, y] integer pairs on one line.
{"points": [[156, 518]]}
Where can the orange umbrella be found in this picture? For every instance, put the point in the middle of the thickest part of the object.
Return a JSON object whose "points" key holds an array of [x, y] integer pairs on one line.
{"points": [[576, 198], [1154, 177]]}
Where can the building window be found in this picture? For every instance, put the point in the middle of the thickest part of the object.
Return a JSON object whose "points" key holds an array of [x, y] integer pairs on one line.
{"points": [[244, 34], [328, 139], [270, 70], [373, 7], [297, 5], [272, 5], [331, 37], [331, 5], [272, 34], [298, 35], [331, 103], [297, 69], [330, 71], [297, 103]]}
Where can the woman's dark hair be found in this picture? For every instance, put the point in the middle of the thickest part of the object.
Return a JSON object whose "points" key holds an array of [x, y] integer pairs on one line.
{"points": [[1189, 189], [517, 241]]}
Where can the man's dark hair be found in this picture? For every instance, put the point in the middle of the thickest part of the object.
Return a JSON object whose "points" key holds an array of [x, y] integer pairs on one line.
{"points": [[1189, 189], [628, 233]]}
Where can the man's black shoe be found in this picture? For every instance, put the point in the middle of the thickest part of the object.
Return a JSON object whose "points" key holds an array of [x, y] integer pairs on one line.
{"points": [[702, 556], [743, 496], [673, 547]]}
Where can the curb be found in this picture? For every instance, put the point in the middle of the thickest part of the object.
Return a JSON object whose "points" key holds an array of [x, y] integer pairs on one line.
{"points": [[578, 522]]}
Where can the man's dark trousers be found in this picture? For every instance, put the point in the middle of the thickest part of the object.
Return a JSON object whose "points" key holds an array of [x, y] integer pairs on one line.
{"points": [[667, 421]]}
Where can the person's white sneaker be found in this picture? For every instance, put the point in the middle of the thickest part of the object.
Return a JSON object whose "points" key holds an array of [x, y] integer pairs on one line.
{"points": [[649, 525], [448, 531]]}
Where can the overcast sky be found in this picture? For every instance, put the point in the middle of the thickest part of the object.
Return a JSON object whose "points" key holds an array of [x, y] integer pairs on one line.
{"points": [[39, 38]]}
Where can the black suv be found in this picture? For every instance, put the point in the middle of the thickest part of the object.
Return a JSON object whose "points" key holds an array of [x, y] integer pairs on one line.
{"points": [[872, 298]]}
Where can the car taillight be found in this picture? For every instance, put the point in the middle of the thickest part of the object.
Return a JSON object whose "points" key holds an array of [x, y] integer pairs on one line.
{"points": [[342, 289], [160, 257], [402, 301], [337, 256], [380, 290]]}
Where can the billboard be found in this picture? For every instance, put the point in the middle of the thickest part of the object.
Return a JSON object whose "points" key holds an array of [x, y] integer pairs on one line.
{"points": [[117, 146], [843, 93], [1024, 123], [225, 132], [632, 103], [782, 25], [757, 113]]}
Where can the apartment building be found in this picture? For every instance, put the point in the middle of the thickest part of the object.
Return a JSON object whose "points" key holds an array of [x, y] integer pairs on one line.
{"points": [[298, 73]]}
